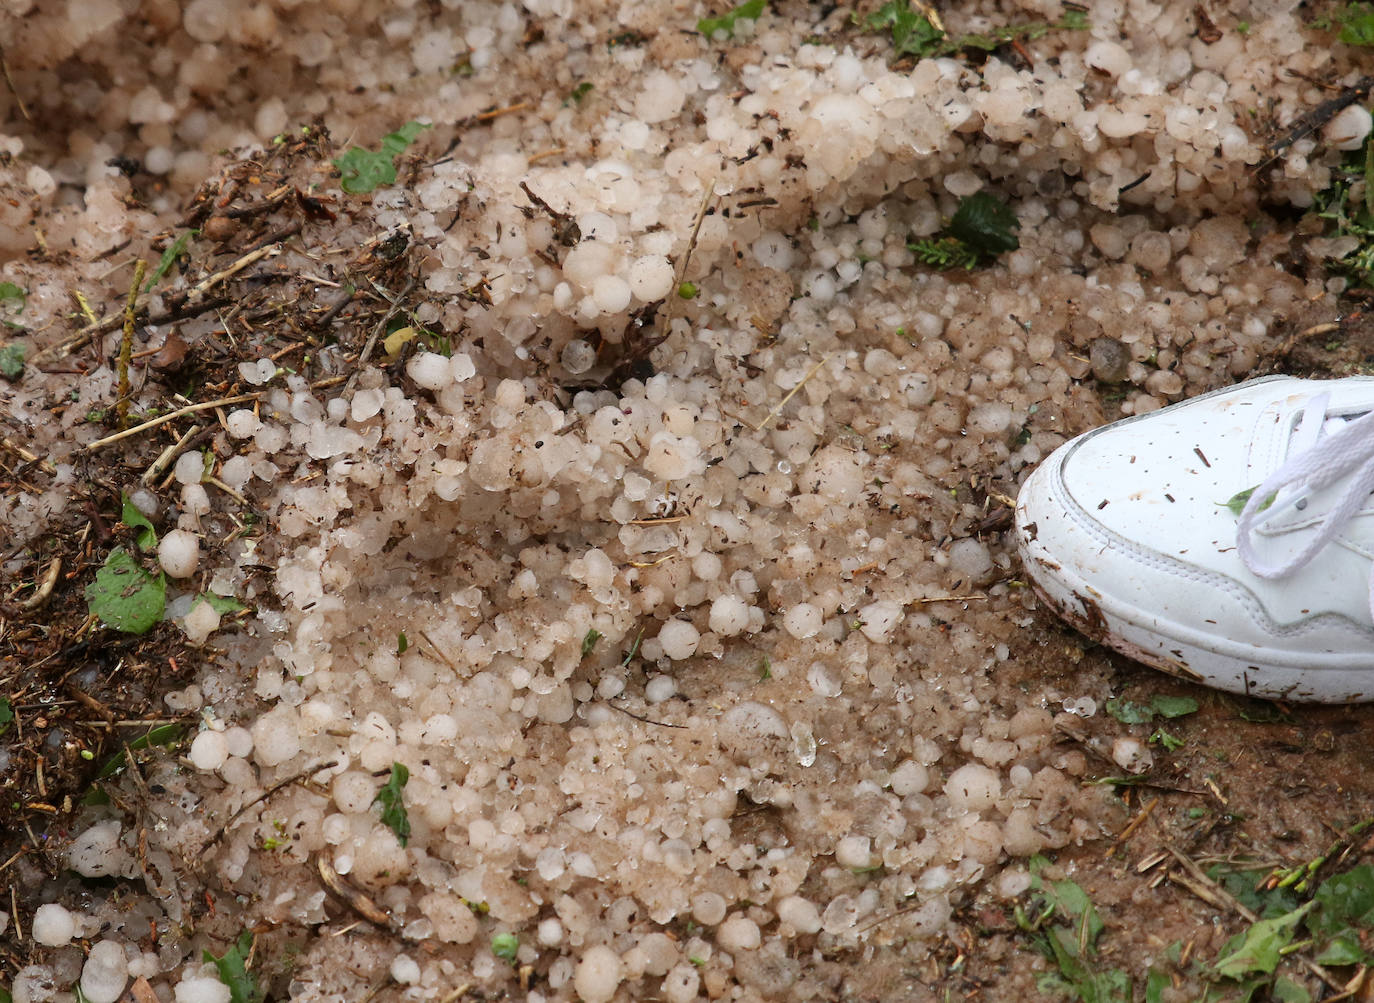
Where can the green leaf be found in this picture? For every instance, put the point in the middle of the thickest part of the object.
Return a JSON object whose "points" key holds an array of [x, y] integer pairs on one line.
{"points": [[1259, 948], [363, 171], [402, 643], [589, 640], [505, 945], [1236, 503], [1128, 711], [393, 803], [6, 714], [11, 360], [11, 293], [765, 668], [944, 253], [169, 257], [1343, 909], [751, 10], [1155, 984], [986, 224], [1170, 742], [220, 604], [233, 970], [1357, 24], [912, 32], [1287, 991], [1341, 951], [1167, 706], [125, 596], [581, 91], [144, 534]]}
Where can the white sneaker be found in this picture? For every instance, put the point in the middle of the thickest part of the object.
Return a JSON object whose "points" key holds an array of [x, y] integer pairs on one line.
{"points": [[1127, 533]]}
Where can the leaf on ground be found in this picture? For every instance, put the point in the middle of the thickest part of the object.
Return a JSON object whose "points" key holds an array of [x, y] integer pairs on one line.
{"points": [[912, 32], [11, 360], [589, 640], [1167, 706], [11, 293], [144, 534], [1259, 948], [986, 224], [1357, 24], [362, 171], [175, 250], [1128, 711], [1156, 982], [751, 10], [1342, 909], [505, 945], [233, 970], [163, 734], [1287, 991], [392, 800], [6, 714], [125, 596]]}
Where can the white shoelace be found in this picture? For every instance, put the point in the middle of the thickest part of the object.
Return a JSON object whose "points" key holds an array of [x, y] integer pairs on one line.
{"points": [[1318, 460]]}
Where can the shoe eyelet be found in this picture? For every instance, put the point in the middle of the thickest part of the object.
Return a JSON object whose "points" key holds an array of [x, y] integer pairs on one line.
{"points": [[1300, 504]]}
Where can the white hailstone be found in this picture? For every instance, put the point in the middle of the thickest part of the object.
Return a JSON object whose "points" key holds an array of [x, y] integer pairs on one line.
{"points": [[405, 970], [429, 370], [105, 972], [276, 736], [729, 615], [650, 277], [659, 689], [258, 373], [1349, 128], [96, 853], [660, 97], [202, 621], [671, 457], [910, 777], [1131, 756], [681, 983], [209, 750], [800, 914], [549, 932], [461, 367], [241, 423], [708, 908], [679, 639], [52, 925], [880, 619], [803, 620], [578, 356], [973, 787], [190, 467], [201, 989], [970, 559], [598, 974], [240, 741], [738, 933], [365, 404], [611, 294], [1109, 57], [854, 852], [179, 553]]}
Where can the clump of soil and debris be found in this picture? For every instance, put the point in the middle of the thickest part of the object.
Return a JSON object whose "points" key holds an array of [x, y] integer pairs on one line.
{"points": [[531, 522]]}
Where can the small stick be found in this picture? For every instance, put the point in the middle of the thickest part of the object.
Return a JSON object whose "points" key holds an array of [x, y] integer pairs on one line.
{"points": [[44, 589], [126, 346], [9, 82], [1134, 824], [166, 457], [250, 258], [169, 416], [487, 116], [19, 451], [783, 403], [376, 332], [294, 778]]}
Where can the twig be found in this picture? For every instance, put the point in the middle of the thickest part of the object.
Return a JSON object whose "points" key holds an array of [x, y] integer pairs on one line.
{"points": [[1134, 824], [294, 778], [44, 590], [783, 403], [169, 454], [665, 323], [207, 283], [646, 720], [9, 82], [376, 333], [126, 346], [45, 465]]}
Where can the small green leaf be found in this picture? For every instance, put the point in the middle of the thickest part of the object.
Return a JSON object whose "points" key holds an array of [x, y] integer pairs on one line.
{"points": [[1287, 991], [6, 714], [125, 596], [1236, 503], [233, 970], [1128, 711], [144, 534], [986, 224], [1171, 707], [1357, 24], [1170, 742], [589, 640], [362, 171], [169, 257], [164, 734], [1341, 951], [688, 290], [581, 91], [505, 945], [1259, 948], [765, 669], [912, 32], [751, 10], [393, 803], [220, 604], [402, 642], [1155, 984], [11, 360], [11, 293]]}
